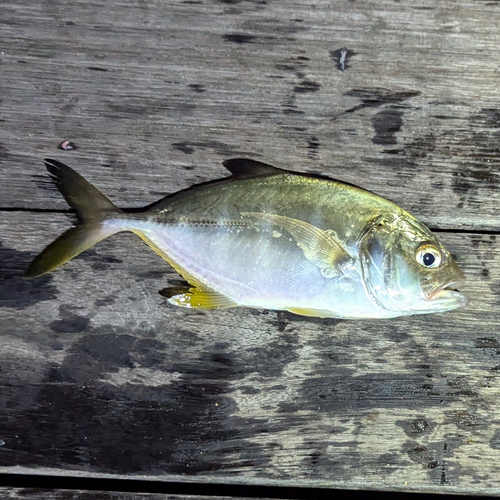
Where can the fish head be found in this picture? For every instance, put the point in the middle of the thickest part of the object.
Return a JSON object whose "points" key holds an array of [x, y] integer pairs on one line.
{"points": [[406, 270]]}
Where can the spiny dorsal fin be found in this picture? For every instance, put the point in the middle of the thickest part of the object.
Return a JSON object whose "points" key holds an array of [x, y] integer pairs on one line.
{"points": [[243, 168]]}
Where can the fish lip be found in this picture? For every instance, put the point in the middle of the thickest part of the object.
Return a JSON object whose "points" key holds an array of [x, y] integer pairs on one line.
{"points": [[449, 291]]}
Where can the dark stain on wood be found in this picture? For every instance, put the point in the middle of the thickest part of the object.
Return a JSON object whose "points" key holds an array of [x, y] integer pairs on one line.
{"points": [[224, 150], [386, 124], [105, 301], [197, 87], [370, 391], [239, 38], [374, 98], [281, 321], [291, 109], [159, 423], [270, 360], [186, 147], [306, 86], [487, 343], [295, 65], [470, 177], [462, 418], [69, 322], [313, 145], [488, 117], [415, 427], [421, 455], [100, 262], [420, 148], [96, 68], [4, 152], [130, 108], [495, 440]]}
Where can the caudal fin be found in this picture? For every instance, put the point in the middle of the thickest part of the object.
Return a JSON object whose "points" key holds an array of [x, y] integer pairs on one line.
{"points": [[93, 209]]}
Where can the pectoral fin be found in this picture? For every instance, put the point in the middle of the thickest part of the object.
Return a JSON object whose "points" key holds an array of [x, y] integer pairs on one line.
{"points": [[320, 247], [193, 297]]}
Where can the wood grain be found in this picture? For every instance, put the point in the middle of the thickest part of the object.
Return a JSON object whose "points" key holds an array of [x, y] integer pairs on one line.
{"points": [[100, 376], [157, 94], [40, 494]]}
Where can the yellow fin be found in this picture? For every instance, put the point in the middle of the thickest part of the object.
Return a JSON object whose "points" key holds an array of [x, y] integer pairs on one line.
{"points": [[320, 247], [197, 298], [70, 244], [312, 313]]}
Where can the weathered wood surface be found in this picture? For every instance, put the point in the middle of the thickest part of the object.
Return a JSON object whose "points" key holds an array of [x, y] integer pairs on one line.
{"points": [[99, 375], [40, 494], [156, 94]]}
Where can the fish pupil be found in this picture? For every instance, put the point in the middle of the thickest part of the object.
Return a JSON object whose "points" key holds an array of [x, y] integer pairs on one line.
{"points": [[429, 259]]}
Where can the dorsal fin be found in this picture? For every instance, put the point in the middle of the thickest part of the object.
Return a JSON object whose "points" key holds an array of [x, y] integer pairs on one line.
{"points": [[243, 168]]}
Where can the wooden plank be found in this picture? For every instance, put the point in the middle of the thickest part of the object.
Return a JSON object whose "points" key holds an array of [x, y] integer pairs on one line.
{"points": [[40, 494], [100, 375], [157, 94]]}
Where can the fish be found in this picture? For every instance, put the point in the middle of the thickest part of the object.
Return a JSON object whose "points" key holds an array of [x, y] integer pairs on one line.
{"points": [[275, 239]]}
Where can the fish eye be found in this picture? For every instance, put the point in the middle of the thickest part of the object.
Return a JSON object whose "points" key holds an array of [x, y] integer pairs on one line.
{"points": [[428, 255]]}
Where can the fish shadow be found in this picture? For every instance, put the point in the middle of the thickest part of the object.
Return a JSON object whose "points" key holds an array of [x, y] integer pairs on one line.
{"points": [[17, 292]]}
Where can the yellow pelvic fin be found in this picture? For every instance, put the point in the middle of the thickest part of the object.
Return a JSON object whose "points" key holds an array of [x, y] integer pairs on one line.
{"points": [[320, 247], [197, 298]]}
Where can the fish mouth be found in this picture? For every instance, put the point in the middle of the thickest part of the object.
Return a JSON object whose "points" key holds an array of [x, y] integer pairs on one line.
{"points": [[449, 292]]}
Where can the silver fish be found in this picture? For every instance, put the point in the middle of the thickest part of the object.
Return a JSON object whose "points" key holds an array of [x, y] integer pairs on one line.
{"points": [[274, 239]]}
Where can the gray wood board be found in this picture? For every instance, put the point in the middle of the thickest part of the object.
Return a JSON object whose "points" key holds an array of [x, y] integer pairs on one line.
{"points": [[157, 94], [43, 494], [100, 375]]}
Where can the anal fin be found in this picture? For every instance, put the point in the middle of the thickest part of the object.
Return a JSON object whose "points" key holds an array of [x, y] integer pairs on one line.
{"points": [[185, 274], [312, 313], [197, 295], [197, 298]]}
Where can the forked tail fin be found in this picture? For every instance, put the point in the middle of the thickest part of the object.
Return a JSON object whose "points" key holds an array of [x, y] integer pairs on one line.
{"points": [[93, 209]]}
